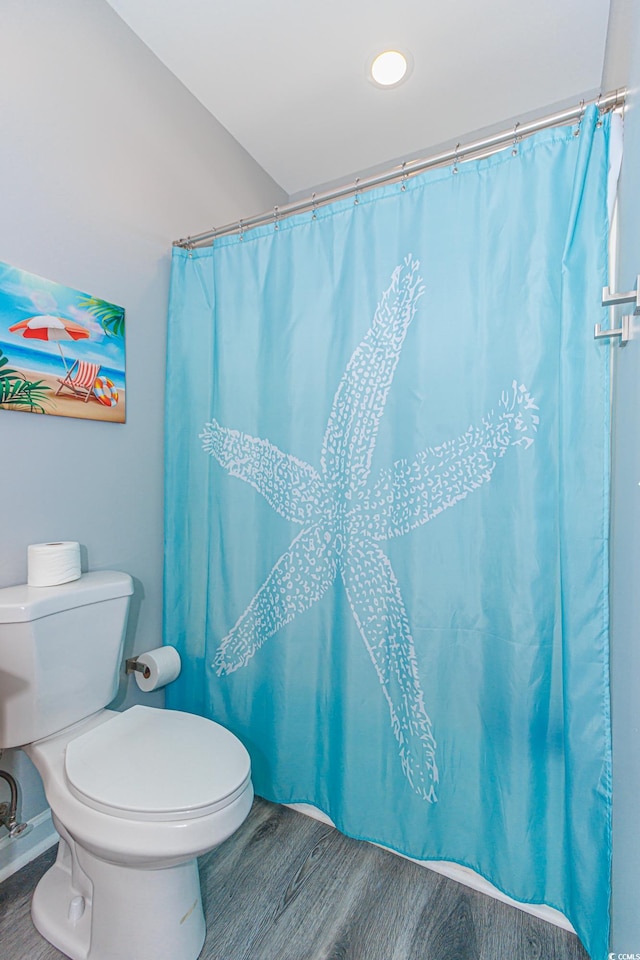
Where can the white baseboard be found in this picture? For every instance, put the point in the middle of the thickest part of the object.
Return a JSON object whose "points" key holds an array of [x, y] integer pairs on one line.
{"points": [[18, 852], [464, 875]]}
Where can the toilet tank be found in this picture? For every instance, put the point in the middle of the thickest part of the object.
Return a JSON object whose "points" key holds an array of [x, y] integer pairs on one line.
{"points": [[60, 653]]}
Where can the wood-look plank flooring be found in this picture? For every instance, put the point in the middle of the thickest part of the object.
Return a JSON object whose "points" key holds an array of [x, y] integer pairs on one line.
{"points": [[286, 887]]}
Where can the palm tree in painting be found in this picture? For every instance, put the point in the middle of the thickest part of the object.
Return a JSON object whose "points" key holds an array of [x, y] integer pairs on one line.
{"points": [[17, 392], [109, 316]]}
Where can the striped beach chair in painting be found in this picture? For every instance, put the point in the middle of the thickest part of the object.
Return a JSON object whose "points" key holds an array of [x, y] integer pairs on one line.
{"points": [[80, 379]]}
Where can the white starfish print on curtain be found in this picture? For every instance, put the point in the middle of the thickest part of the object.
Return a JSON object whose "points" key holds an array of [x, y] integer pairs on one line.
{"points": [[344, 517]]}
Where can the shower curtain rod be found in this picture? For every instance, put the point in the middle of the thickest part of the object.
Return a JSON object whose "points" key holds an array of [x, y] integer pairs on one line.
{"points": [[463, 151]]}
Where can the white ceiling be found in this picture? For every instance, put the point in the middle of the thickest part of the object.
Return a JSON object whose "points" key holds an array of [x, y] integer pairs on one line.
{"points": [[287, 77]]}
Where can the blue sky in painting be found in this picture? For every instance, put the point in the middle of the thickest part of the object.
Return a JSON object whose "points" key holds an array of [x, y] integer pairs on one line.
{"points": [[24, 295]]}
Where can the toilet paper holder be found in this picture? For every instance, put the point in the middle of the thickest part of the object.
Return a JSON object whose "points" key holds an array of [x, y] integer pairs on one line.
{"points": [[132, 666]]}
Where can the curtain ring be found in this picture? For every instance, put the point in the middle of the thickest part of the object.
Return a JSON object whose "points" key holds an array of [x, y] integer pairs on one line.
{"points": [[275, 218], [455, 159], [241, 229], [314, 215], [576, 132], [516, 140], [405, 177], [356, 199], [599, 121]]}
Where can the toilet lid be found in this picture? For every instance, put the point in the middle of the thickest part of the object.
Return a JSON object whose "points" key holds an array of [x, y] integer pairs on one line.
{"points": [[151, 764]]}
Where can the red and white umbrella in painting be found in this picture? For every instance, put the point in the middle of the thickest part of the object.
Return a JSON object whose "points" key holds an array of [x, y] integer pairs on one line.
{"points": [[47, 327]]}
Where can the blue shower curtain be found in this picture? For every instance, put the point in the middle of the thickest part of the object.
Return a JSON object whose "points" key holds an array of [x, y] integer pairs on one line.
{"points": [[387, 513]]}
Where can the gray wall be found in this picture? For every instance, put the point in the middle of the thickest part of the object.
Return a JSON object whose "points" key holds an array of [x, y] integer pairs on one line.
{"points": [[105, 159], [622, 68]]}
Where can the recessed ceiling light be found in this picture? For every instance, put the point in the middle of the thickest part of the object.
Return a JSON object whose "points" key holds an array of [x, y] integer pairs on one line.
{"points": [[389, 68]]}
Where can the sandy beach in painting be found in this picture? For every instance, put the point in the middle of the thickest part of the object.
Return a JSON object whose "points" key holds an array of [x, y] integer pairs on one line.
{"points": [[66, 405]]}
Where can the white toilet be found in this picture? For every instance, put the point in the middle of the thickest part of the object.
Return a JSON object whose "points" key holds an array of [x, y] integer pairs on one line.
{"points": [[135, 796]]}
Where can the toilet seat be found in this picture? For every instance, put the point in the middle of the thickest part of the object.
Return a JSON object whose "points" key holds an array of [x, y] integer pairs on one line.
{"points": [[152, 764]]}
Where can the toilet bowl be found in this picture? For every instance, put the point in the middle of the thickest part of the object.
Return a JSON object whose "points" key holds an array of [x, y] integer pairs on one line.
{"points": [[136, 797]]}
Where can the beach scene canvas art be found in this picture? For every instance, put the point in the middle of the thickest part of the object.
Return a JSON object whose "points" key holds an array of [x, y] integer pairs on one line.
{"points": [[61, 351]]}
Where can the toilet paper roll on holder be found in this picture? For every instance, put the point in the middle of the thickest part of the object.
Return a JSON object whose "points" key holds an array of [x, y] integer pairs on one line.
{"points": [[133, 666], [155, 668]]}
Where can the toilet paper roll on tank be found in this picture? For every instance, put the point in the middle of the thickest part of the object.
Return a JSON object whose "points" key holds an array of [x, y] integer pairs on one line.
{"points": [[160, 667], [50, 564]]}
